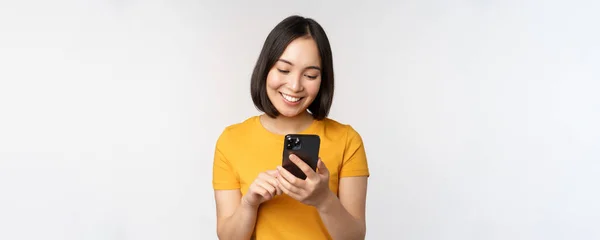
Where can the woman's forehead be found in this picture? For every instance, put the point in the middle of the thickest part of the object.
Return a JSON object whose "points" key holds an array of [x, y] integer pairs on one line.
{"points": [[302, 52]]}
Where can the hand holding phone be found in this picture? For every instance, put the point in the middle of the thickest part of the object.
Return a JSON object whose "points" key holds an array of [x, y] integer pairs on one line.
{"points": [[312, 190]]}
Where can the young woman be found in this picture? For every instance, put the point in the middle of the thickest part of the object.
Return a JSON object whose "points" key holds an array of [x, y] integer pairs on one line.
{"points": [[292, 84]]}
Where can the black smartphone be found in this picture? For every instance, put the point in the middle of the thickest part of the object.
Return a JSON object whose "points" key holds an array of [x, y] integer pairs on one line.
{"points": [[306, 147]]}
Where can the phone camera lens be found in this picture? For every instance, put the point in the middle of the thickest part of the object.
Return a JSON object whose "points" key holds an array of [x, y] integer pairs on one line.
{"points": [[292, 142]]}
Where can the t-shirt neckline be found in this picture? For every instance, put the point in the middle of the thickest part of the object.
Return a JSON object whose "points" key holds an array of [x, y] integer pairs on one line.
{"points": [[308, 130]]}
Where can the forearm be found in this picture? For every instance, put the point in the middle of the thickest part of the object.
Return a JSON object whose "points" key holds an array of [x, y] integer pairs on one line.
{"points": [[240, 224], [338, 221]]}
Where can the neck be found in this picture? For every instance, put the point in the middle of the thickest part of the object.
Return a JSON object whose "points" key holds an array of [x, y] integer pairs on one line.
{"points": [[287, 125]]}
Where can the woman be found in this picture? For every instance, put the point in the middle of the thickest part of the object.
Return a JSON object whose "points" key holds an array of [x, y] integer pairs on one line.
{"points": [[292, 84]]}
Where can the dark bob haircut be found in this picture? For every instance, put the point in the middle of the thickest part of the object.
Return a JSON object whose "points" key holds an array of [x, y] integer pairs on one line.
{"points": [[284, 33]]}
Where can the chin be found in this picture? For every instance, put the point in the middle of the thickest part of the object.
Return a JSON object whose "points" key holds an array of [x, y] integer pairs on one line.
{"points": [[289, 113]]}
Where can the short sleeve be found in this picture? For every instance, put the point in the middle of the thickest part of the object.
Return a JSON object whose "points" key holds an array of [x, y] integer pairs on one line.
{"points": [[355, 159], [224, 175]]}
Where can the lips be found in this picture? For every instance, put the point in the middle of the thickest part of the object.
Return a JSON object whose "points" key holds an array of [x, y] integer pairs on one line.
{"points": [[291, 99]]}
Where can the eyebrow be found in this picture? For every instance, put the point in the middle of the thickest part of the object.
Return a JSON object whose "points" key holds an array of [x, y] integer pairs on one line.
{"points": [[309, 67]]}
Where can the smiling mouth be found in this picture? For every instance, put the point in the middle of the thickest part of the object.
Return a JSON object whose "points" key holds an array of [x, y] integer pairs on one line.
{"points": [[290, 98]]}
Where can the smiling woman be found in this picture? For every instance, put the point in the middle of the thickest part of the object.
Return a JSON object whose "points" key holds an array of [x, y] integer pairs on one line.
{"points": [[256, 198]]}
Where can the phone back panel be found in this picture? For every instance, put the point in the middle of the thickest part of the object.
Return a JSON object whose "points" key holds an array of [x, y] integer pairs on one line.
{"points": [[306, 147]]}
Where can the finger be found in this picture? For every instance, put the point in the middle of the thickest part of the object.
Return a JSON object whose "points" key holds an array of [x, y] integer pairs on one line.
{"points": [[277, 177], [271, 187], [270, 190], [290, 178], [321, 168], [271, 179], [272, 172], [260, 192], [303, 166], [285, 185], [288, 191], [266, 195]]}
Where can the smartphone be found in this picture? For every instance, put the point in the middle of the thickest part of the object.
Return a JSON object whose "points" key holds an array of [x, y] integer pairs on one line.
{"points": [[306, 147]]}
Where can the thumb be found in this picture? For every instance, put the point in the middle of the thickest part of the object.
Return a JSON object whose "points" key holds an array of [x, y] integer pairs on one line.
{"points": [[322, 168]]}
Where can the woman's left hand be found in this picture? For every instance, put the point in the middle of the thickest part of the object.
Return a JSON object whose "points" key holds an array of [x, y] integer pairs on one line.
{"points": [[313, 191]]}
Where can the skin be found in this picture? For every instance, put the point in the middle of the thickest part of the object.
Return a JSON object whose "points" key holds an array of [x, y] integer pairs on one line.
{"points": [[297, 73]]}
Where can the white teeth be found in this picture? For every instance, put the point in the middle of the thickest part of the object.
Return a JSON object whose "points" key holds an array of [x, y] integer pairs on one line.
{"points": [[290, 98]]}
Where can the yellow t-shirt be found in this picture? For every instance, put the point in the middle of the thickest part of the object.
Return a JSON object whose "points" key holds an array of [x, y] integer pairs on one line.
{"points": [[245, 149]]}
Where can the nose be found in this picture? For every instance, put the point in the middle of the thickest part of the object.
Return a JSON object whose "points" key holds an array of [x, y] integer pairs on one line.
{"points": [[295, 83]]}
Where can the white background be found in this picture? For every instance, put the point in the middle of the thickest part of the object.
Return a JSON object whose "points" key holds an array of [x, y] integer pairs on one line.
{"points": [[480, 118]]}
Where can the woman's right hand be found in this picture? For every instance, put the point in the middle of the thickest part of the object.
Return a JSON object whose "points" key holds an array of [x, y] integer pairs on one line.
{"points": [[264, 188]]}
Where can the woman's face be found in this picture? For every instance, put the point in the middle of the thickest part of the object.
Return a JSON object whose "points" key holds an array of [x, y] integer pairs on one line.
{"points": [[294, 81]]}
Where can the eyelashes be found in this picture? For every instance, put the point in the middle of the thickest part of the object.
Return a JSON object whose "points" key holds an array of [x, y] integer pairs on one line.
{"points": [[306, 75]]}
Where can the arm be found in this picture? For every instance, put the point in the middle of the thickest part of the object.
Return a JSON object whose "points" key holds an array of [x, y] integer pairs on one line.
{"points": [[235, 219], [345, 217], [236, 215]]}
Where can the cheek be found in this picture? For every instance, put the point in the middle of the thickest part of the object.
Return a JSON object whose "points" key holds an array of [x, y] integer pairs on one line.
{"points": [[313, 87], [274, 81]]}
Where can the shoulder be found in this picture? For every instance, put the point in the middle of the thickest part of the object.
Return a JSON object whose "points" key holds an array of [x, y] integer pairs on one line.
{"points": [[242, 126], [233, 131], [339, 129], [346, 137]]}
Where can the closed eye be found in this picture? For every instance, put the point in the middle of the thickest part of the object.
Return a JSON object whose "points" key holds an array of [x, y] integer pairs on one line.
{"points": [[311, 77], [283, 71]]}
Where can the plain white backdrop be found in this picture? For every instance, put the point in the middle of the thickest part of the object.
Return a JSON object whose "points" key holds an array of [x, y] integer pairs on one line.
{"points": [[480, 118]]}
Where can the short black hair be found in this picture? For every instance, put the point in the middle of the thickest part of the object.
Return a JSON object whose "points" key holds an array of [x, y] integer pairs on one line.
{"points": [[284, 33]]}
